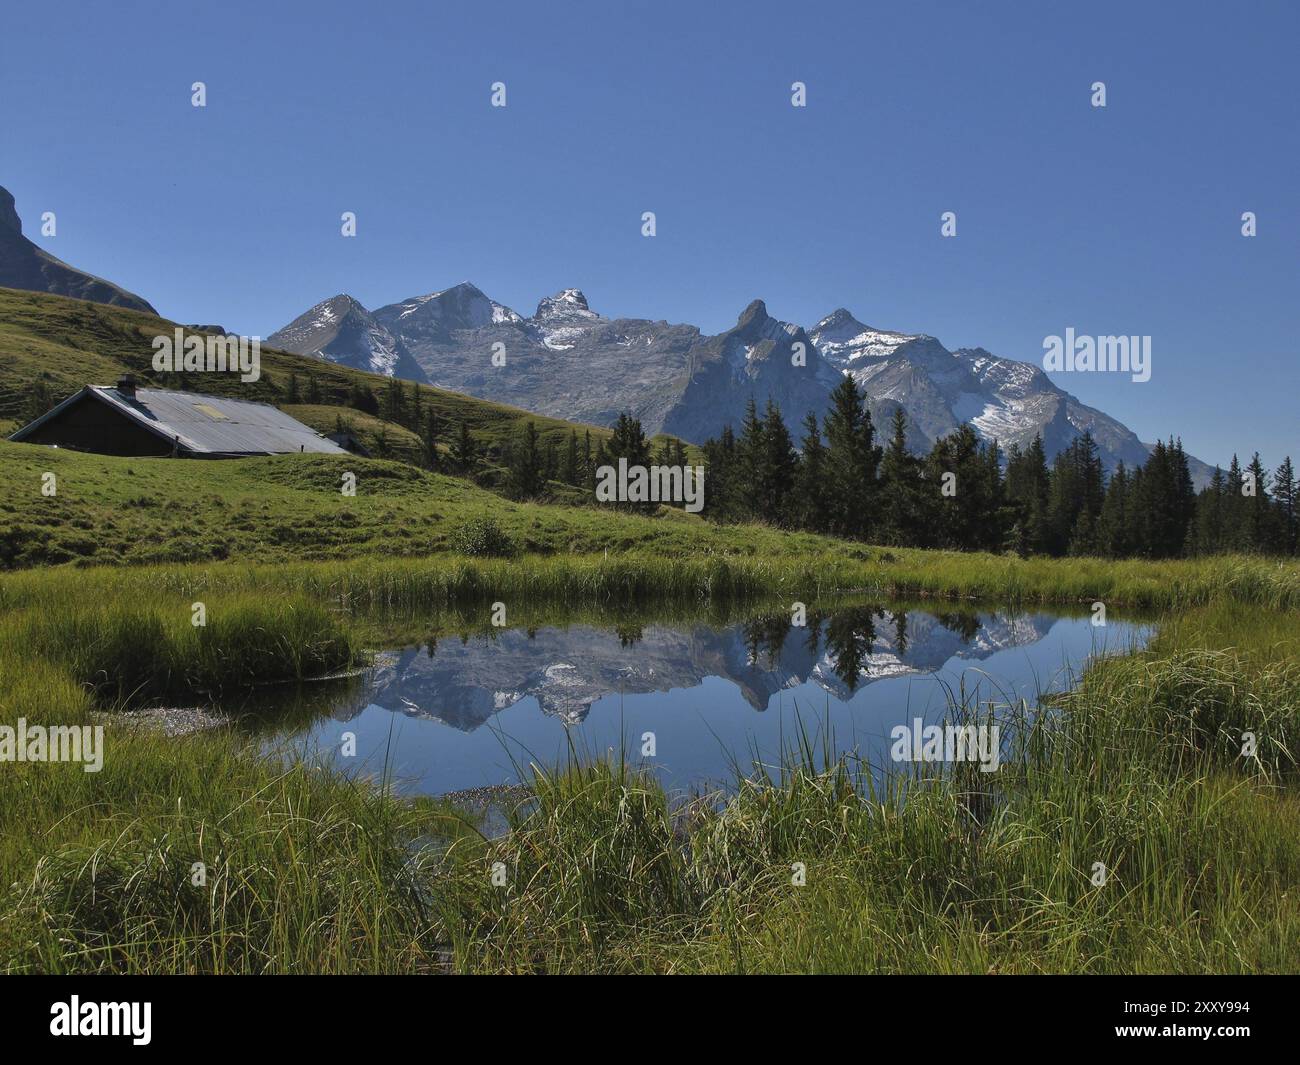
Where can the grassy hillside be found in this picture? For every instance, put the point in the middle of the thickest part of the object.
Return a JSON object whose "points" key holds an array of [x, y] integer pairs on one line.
{"points": [[383, 439], [70, 343], [288, 510]]}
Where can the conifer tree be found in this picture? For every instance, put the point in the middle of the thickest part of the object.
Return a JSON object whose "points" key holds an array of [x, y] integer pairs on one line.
{"points": [[898, 477], [1210, 537], [464, 453], [525, 465], [957, 484], [430, 436], [39, 401], [628, 442], [1234, 509], [777, 469], [361, 398], [720, 464], [569, 472], [998, 514], [1285, 489], [394, 401], [810, 485], [852, 462], [1258, 519], [1028, 487], [551, 460], [1113, 524], [747, 476]]}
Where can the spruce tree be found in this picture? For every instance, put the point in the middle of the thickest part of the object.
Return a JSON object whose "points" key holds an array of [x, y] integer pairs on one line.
{"points": [[569, 472], [394, 401], [720, 461], [810, 483], [751, 453], [1285, 489], [39, 401], [1234, 509], [1258, 523], [999, 515], [900, 474], [778, 468], [463, 451], [361, 398], [1209, 537], [525, 465], [430, 436], [629, 442], [852, 461], [551, 460], [1112, 536], [1028, 489]]}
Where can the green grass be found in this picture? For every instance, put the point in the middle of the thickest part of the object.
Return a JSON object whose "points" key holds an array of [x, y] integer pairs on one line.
{"points": [[120, 651], [381, 438], [393, 542], [290, 508], [1140, 770]]}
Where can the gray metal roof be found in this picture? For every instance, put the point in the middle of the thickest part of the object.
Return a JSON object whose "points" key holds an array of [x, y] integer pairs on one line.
{"points": [[209, 425]]}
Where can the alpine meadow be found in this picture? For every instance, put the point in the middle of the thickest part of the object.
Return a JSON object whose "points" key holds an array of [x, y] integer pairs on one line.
{"points": [[662, 629]]}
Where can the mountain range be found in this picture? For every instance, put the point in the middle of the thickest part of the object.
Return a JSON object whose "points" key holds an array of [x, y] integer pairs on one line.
{"points": [[568, 361], [24, 265]]}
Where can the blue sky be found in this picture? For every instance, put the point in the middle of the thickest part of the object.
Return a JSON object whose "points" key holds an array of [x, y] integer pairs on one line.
{"points": [[1121, 220]]}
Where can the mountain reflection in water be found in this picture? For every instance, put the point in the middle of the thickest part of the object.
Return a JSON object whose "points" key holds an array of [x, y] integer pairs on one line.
{"points": [[696, 686]]}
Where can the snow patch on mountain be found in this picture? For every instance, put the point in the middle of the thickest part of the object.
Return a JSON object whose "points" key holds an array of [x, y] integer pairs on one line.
{"points": [[342, 331], [462, 306], [848, 344], [562, 319]]}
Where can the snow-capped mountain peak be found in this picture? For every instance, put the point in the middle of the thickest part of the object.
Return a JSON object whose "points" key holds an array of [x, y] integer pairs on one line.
{"points": [[568, 303], [341, 330], [847, 343], [563, 318], [462, 306]]}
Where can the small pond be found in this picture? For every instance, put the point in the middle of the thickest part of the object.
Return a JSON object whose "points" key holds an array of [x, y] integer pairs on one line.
{"points": [[467, 711]]}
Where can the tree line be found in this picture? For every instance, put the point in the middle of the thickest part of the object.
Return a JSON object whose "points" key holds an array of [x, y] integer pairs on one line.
{"points": [[524, 466], [531, 467], [967, 494], [963, 494]]}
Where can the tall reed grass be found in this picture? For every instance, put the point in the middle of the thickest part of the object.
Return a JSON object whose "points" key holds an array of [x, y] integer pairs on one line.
{"points": [[123, 651], [370, 582]]}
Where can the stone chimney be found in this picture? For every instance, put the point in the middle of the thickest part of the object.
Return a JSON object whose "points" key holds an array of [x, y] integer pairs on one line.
{"points": [[126, 385]]}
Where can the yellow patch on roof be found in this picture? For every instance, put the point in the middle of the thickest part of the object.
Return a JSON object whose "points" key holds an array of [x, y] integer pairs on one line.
{"points": [[211, 412]]}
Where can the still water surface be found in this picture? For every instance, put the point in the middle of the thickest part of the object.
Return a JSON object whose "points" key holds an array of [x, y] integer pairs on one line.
{"points": [[464, 712]]}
